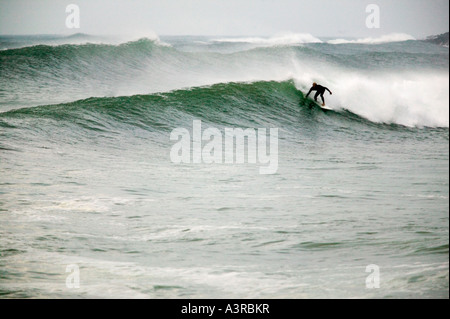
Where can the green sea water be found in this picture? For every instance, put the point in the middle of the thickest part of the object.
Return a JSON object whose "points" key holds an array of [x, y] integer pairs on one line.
{"points": [[86, 177]]}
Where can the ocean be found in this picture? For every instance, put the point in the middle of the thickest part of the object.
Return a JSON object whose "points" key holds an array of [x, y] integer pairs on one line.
{"points": [[92, 204]]}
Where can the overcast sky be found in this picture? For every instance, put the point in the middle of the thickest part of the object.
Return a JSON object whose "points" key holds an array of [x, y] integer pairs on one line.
{"points": [[334, 18]]}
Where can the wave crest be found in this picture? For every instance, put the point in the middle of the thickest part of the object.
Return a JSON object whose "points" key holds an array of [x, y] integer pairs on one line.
{"points": [[279, 40], [394, 37]]}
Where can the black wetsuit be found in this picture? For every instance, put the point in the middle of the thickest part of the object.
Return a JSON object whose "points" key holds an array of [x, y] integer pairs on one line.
{"points": [[320, 91]]}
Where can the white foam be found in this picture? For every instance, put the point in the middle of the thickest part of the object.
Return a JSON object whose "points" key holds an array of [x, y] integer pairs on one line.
{"points": [[393, 37], [278, 40], [413, 99], [138, 35]]}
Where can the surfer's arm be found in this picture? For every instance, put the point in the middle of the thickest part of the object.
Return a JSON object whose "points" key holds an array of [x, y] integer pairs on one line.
{"points": [[309, 92], [331, 93]]}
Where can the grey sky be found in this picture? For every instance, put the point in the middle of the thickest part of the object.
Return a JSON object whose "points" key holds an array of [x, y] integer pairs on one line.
{"points": [[334, 18]]}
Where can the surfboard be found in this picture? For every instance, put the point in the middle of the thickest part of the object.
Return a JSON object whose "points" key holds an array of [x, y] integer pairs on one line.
{"points": [[324, 108]]}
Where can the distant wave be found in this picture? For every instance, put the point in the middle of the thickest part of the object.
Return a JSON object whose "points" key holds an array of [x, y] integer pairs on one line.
{"points": [[394, 37], [23, 41], [285, 39]]}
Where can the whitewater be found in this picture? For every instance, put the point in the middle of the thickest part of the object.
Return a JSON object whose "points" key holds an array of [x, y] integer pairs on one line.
{"points": [[86, 178]]}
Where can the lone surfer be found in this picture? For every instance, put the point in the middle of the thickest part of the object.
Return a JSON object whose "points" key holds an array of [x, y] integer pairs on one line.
{"points": [[320, 91]]}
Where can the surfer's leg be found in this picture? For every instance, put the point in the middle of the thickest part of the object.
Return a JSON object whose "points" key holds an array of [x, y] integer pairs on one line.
{"points": [[323, 99], [316, 96]]}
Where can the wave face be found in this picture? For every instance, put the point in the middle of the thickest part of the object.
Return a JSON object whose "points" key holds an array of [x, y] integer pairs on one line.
{"points": [[257, 104], [402, 83]]}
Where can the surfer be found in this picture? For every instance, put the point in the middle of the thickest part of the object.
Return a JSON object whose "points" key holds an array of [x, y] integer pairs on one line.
{"points": [[320, 91]]}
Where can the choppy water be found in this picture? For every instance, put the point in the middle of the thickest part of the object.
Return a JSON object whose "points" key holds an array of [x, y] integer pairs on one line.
{"points": [[86, 176]]}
